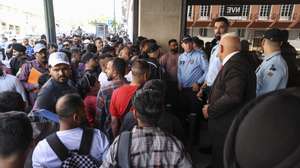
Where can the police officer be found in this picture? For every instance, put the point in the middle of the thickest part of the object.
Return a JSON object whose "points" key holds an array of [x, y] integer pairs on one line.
{"points": [[192, 69], [272, 74]]}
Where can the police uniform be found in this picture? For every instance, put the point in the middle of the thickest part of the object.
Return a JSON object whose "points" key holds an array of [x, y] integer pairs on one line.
{"points": [[192, 68], [272, 74]]}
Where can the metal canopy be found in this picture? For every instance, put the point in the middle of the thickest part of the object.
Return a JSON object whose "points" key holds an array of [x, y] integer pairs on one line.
{"points": [[241, 2]]}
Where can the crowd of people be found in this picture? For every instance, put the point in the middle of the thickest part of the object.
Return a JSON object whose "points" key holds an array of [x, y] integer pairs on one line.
{"points": [[93, 102]]}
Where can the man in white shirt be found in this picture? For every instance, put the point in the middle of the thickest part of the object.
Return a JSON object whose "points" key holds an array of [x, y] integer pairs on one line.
{"points": [[11, 83], [103, 60], [70, 109]]}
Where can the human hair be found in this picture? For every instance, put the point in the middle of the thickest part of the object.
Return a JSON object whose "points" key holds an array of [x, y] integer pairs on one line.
{"points": [[172, 41], [43, 36], [15, 133], [156, 84], [91, 48], [98, 38], [199, 43], [76, 35], [222, 19], [106, 55], [75, 50], [149, 105], [140, 67], [71, 104], [52, 45], [11, 101], [1, 70], [119, 65]]}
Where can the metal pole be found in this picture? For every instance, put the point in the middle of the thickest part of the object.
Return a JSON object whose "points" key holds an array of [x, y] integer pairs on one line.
{"points": [[50, 21], [183, 19], [135, 19]]}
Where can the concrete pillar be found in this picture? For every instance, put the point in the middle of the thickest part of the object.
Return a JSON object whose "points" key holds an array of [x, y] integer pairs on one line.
{"points": [[160, 20]]}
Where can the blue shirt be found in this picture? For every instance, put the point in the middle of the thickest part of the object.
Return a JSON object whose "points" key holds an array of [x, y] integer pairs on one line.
{"points": [[272, 74], [29, 51], [214, 67], [192, 68]]}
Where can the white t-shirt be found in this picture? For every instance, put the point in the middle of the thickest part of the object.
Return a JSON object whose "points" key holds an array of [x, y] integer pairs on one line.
{"points": [[103, 79], [44, 156], [129, 76]]}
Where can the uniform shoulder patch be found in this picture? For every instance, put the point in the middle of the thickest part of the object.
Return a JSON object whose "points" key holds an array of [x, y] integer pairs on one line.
{"points": [[272, 68]]}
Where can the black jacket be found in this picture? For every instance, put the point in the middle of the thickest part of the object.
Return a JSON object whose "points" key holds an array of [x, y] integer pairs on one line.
{"points": [[234, 86]]}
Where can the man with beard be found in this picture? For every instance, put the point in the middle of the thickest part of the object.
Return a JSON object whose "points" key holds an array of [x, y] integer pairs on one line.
{"points": [[58, 85], [221, 27], [31, 71], [29, 50], [19, 57], [121, 98], [169, 62], [71, 136], [233, 88], [115, 70]]}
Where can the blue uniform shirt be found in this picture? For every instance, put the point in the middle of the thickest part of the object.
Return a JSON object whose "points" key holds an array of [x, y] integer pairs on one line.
{"points": [[192, 68], [272, 74], [214, 67]]}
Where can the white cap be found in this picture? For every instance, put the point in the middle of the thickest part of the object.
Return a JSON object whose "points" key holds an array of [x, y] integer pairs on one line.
{"points": [[86, 41], [38, 47], [58, 58]]}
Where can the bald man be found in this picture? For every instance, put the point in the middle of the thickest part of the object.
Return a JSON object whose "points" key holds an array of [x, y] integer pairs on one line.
{"points": [[234, 86]]}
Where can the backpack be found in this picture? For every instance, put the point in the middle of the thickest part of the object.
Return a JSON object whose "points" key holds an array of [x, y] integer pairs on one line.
{"points": [[123, 150], [75, 159]]}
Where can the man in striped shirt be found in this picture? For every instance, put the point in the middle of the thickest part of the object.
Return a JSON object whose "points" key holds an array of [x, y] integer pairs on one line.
{"points": [[149, 146]]}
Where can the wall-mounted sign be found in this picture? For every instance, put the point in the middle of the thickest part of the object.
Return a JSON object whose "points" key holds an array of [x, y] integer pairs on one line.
{"points": [[233, 10]]}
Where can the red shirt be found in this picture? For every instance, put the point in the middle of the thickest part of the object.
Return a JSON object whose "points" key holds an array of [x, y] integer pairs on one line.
{"points": [[90, 109], [120, 99]]}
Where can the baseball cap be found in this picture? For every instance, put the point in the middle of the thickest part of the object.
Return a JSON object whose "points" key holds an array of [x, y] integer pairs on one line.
{"points": [[86, 41], [58, 58], [187, 39], [38, 47], [273, 34]]}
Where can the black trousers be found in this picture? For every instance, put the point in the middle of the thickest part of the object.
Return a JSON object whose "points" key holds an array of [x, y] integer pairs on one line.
{"points": [[218, 139], [189, 102], [191, 114]]}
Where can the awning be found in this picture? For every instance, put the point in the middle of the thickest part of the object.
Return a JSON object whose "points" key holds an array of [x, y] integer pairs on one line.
{"points": [[260, 24]]}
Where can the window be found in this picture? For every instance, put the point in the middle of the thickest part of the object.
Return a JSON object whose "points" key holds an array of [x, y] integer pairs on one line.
{"points": [[264, 12], [190, 12], [203, 32], [10, 27], [204, 12], [241, 32], [244, 15], [286, 12], [17, 29]]}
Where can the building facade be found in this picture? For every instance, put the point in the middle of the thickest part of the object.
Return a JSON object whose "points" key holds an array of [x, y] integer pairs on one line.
{"points": [[15, 21], [250, 25]]}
